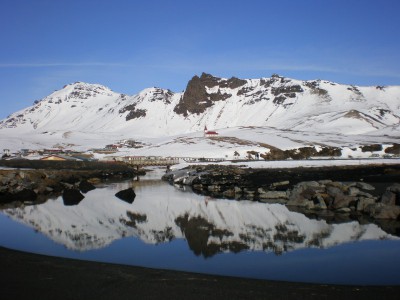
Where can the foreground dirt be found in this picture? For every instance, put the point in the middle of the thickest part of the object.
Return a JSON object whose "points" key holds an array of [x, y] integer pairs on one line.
{"points": [[34, 276]]}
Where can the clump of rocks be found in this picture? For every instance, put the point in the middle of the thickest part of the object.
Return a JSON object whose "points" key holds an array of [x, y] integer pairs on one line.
{"points": [[346, 197], [38, 185], [355, 197]]}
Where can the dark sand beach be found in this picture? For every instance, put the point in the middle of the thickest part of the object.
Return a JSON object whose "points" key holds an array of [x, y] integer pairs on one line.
{"points": [[32, 276]]}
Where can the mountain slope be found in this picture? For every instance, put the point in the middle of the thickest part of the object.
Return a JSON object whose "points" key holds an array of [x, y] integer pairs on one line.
{"points": [[286, 104]]}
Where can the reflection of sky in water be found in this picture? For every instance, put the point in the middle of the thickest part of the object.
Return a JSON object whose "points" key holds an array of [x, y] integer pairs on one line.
{"points": [[359, 262]]}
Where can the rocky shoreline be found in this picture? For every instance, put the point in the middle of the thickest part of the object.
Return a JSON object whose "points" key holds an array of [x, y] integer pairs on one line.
{"points": [[372, 191], [30, 186]]}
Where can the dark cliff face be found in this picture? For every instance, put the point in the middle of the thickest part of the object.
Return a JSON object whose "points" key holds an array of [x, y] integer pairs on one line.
{"points": [[196, 100]]}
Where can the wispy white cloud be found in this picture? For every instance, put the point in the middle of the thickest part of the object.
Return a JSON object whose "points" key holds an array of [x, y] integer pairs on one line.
{"points": [[61, 64], [224, 66]]}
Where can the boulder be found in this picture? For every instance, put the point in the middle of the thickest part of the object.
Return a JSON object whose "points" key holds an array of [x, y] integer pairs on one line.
{"points": [[334, 191], [363, 202], [72, 197], [343, 201], [319, 202], [382, 211], [303, 193], [365, 186], [353, 191], [127, 195], [388, 198]]}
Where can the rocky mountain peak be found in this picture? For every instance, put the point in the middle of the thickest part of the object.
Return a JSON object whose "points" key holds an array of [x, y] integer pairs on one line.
{"points": [[82, 90], [198, 96]]}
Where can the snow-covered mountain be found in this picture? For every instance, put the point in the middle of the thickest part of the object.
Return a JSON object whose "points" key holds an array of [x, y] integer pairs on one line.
{"points": [[161, 213], [86, 111]]}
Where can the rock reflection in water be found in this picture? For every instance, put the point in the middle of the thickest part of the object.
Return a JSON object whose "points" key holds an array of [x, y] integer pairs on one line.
{"points": [[161, 213]]}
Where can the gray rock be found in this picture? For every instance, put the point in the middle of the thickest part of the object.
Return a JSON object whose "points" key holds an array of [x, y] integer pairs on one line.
{"points": [[298, 200], [319, 202], [395, 188], [281, 183], [272, 194], [388, 198], [334, 191], [365, 186], [353, 191], [342, 201], [382, 211], [309, 184], [362, 203]]}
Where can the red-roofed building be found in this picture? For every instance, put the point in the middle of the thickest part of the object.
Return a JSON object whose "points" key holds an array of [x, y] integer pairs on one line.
{"points": [[209, 133]]}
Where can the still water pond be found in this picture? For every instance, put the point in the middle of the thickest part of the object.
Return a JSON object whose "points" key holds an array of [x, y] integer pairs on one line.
{"points": [[174, 229]]}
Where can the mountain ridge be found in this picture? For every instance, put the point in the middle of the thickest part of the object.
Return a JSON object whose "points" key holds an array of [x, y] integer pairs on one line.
{"points": [[312, 106]]}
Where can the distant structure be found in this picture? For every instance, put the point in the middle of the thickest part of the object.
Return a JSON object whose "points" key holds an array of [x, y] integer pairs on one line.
{"points": [[209, 133], [6, 153]]}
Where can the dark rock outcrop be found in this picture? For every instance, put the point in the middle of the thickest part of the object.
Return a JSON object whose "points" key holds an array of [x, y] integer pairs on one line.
{"points": [[371, 148], [133, 112], [301, 153], [196, 99], [394, 149]]}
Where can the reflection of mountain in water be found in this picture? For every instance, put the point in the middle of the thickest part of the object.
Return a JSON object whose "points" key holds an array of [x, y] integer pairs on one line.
{"points": [[161, 213]]}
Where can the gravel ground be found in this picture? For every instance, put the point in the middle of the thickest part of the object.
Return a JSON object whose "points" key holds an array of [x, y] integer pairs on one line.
{"points": [[32, 276]]}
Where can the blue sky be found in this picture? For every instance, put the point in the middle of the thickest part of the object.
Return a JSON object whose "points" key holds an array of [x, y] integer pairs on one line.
{"points": [[131, 45]]}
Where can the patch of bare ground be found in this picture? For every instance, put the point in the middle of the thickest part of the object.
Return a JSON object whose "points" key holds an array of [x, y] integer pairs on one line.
{"points": [[241, 142]]}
